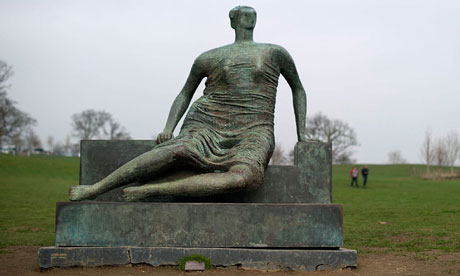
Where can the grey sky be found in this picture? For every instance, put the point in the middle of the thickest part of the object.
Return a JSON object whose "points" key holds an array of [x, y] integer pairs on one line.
{"points": [[391, 69]]}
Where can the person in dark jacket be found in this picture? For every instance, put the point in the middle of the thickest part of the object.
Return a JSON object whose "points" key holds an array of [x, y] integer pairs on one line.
{"points": [[365, 172]]}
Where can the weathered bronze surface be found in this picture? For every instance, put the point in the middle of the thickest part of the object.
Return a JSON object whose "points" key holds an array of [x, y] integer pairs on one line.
{"points": [[228, 132], [307, 181], [223, 225]]}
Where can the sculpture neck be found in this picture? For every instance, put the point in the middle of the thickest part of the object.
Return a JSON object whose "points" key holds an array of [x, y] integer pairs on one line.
{"points": [[243, 35]]}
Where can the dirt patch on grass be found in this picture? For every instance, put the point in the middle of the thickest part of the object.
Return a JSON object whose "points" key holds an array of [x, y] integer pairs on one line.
{"points": [[23, 229], [403, 237], [23, 261]]}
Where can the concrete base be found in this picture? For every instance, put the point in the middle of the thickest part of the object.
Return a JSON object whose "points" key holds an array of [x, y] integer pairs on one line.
{"points": [[261, 259]]}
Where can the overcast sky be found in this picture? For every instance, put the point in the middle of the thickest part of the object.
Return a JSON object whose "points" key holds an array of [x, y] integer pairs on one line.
{"points": [[390, 69]]}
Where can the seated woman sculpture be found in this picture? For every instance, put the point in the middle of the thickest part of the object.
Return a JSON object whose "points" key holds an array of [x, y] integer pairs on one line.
{"points": [[228, 132]]}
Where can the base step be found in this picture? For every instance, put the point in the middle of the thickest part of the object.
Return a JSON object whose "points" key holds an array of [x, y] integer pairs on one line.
{"points": [[261, 259]]}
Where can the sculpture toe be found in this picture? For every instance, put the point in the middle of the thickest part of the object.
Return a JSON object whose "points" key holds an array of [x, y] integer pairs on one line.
{"points": [[80, 192]]}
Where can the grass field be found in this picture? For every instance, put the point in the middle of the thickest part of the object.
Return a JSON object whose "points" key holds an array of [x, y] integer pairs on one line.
{"points": [[29, 189], [421, 215]]}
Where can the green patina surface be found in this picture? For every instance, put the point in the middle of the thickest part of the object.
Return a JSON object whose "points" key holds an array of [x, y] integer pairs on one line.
{"points": [[314, 160], [98, 158], [199, 225], [228, 132], [220, 155], [309, 181]]}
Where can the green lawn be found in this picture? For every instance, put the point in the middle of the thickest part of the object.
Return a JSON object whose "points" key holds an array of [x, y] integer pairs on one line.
{"points": [[421, 215], [29, 189]]}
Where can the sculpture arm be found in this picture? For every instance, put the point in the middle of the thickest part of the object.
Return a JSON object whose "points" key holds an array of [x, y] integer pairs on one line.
{"points": [[182, 100], [289, 72]]}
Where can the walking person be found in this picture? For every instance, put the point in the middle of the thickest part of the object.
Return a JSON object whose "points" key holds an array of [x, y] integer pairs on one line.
{"points": [[354, 173], [365, 172]]}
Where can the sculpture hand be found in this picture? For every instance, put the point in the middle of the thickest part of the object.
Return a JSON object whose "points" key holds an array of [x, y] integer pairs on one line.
{"points": [[164, 136]]}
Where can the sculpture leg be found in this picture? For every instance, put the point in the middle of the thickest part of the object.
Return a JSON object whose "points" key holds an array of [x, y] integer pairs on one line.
{"points": [[142, 167], [237, 178]]}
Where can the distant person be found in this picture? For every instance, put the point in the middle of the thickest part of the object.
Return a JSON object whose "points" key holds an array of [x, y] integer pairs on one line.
{"points": [[354, 173], [365, 172]]}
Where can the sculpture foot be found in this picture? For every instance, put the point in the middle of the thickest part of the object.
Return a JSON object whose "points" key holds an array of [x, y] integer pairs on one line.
{"points": [[132, 194], [81, 192]]}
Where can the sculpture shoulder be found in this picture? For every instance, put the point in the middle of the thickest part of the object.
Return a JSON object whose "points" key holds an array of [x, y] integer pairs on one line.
{"points": [[277, 50], [278, 54], [209, 57], [213, 53], [226, 49], [273, 47]]}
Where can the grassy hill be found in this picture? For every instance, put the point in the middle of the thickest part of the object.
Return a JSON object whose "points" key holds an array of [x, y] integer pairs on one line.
{"points": [[415, 215]]}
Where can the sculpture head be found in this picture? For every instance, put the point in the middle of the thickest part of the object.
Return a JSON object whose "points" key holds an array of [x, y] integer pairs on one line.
{"points": [[243, 17]]}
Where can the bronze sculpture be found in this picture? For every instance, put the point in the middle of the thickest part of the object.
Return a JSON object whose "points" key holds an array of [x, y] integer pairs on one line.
{"points": [[228, 132]]}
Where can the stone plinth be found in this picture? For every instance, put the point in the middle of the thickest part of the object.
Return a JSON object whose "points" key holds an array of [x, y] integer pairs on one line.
{"points": [[288, 223], [250, 258], [199, 225]]}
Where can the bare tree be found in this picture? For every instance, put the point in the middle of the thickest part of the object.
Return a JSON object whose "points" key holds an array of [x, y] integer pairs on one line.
{"points": [[440, 152], [395, 157], [12, 120], [18, 142], [453, 148], [291, 157], [91, 124], [59, 149], [50, 144], [67, 148], [33, 141], [68, 145], [6, 72], [113, 130], [278, 156], [75, 149], [87, 124], [427, 150], [338, 133], [344, 158]]}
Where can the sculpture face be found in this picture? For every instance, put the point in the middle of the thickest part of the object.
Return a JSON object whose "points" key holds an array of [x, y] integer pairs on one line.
{"points": [[243, 17]]}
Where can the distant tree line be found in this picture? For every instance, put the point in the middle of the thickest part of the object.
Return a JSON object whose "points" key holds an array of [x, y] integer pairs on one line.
{"points": [[17, 134], [15, 125], [442, 151], [395, 157]]}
